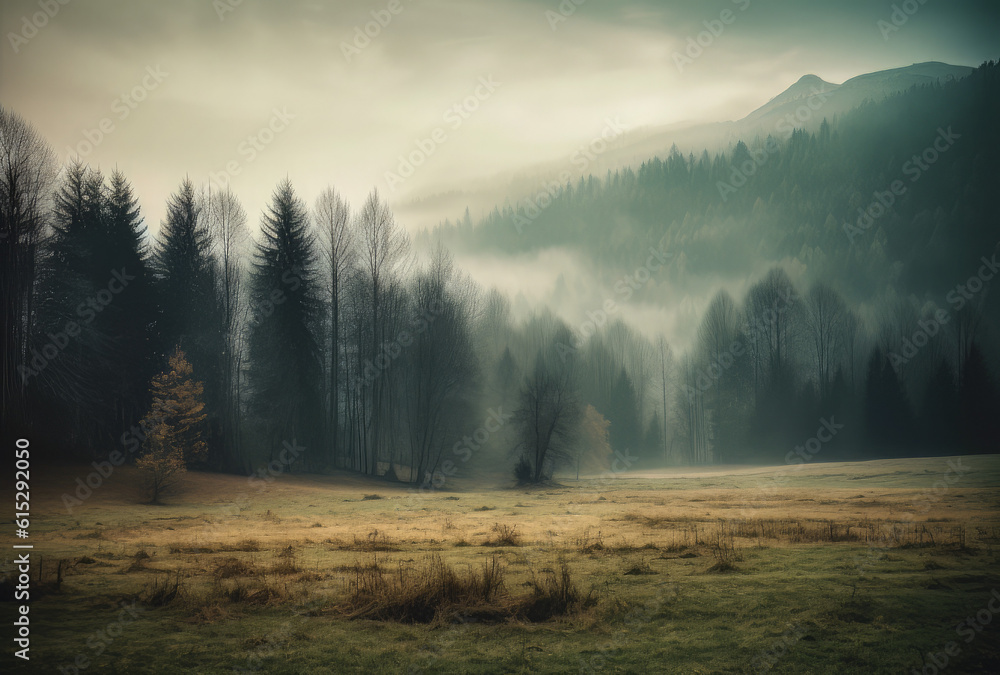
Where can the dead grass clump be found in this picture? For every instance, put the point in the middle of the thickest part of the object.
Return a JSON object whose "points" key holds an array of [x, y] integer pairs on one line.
{"points": [[210, 613], [233, 567], [181, 548], [438, 592], [639, 568], [371, 497], [161, 591], [250, 591], [242, 546], [375, 541], [724, 549], [648, 521], [504, 535], [588, 544], [629, 547], [555, 595], [286, 562], [137, 564], [420, 596], [485, 508]]}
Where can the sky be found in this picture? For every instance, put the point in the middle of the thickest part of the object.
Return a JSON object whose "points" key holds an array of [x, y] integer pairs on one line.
{"points": [[249, 92]]}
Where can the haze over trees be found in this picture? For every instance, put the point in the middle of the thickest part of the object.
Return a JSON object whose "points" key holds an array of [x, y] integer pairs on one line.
{"points": [[328, 328]]}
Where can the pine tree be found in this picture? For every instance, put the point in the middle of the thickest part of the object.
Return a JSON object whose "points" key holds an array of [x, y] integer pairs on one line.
{"points": [[73, 352], [626, 428], [653, 442], [185, 270], [131, 317], [888, 421], [979, 400], [285, 368], [175, 422], [96, 309]]}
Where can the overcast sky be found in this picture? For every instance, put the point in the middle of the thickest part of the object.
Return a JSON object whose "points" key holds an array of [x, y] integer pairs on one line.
{"points": [[223, 68]]}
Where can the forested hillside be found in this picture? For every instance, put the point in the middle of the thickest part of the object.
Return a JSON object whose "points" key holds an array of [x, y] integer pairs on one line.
{"points": [[793, 194]]}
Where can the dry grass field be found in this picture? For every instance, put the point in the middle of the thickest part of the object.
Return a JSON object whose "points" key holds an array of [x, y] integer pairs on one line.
{"points": [[829, 568]]}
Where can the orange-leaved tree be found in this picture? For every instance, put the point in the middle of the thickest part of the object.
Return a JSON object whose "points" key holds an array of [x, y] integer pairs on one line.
{"points": [[174, 427]]}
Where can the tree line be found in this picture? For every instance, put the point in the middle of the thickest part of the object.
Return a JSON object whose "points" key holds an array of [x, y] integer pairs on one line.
{"points": [[325, 329]]}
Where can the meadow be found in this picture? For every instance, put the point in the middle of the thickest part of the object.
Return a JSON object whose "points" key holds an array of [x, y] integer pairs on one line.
{"points": [[865, 567]]}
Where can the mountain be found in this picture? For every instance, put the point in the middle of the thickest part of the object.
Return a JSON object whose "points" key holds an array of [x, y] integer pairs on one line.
{"points": [[816, 202], [821, 99], [809, 88], [824, 99]]}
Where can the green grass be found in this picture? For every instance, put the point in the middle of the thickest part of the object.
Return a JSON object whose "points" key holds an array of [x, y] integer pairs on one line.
{"points": [[811, 600]]}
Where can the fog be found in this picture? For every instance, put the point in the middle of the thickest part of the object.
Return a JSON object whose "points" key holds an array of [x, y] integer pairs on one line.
{"points": [[229, 65]]}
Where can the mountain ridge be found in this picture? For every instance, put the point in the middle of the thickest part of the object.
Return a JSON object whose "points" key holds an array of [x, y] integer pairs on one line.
{"points": [[822, 100]]}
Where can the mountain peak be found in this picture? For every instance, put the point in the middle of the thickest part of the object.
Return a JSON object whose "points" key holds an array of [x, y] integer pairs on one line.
{"points": [[809, 79], [804, 88], [850, 94]]}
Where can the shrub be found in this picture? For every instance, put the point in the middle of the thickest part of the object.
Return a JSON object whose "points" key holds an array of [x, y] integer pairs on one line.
{"points": [[523, 472]]}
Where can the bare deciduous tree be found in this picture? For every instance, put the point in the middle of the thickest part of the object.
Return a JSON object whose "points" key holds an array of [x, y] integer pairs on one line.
{"points": [[440, 366], [227, 224], [383, 249], [332, 218], [549, 411], [825, 317], [27, 169]]}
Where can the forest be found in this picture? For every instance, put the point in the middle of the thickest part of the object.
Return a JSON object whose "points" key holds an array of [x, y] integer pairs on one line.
{"points": [[328, 328]]}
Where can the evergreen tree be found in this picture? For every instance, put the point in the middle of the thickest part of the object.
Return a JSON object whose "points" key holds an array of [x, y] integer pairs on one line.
{"points": [[285, 368], [176, 427], [980, 402], [73, 352], [626, 427], [131, 317], [191, 318], [652, 445], [939, 410], [888, 421]]}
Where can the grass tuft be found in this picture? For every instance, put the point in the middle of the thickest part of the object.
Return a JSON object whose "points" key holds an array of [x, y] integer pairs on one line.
{"points": [[504, 535]]}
